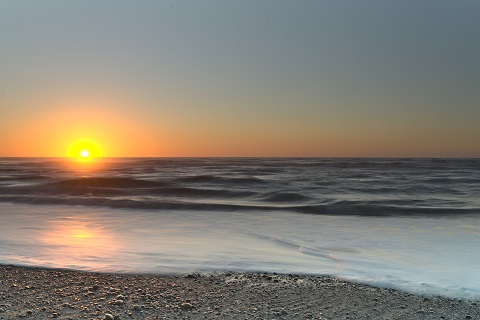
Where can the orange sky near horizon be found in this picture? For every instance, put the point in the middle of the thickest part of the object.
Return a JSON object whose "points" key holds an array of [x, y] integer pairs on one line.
{"points": [[51, 128], [110, 121], [50, 133], [121, 134]]}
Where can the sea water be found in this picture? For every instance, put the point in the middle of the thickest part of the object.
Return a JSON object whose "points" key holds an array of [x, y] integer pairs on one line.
{"points": [[412, 224]]}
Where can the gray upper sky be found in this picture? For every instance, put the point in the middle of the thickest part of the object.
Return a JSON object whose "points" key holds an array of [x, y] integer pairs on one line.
{"points": [[242, 78]]}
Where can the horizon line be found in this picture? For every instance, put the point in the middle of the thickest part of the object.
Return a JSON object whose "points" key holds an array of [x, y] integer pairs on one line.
{"points": [[249, 157]]}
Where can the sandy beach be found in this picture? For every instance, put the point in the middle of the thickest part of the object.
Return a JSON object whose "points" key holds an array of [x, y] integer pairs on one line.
{"points": [[37, 293]]}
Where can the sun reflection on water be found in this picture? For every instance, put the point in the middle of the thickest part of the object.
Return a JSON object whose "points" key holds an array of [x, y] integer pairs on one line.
{"points": [[74, 168], [83, 234], [68, 233], [73, 242]]}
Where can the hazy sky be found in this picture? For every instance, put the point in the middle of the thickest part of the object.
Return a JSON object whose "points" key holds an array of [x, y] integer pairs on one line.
{"points": [[241, 78]]}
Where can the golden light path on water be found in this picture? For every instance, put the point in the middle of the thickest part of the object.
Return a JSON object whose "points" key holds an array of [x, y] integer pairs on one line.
{"points": [[87, 166], [78, 242]]}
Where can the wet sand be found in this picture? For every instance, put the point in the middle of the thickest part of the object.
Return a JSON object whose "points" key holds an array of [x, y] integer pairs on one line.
{"points": [[37, 293]]}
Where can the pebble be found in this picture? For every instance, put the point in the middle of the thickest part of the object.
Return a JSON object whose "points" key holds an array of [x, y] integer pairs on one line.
{"points": [[137, 307], [119, 302], [186, 306], [108, 316]]}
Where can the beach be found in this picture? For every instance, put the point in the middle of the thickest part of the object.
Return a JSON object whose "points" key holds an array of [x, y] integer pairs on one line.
{"points": [[37, 293]]}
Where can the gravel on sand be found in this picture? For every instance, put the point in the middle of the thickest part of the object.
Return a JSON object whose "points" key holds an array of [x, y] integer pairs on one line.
{"points": [[36, 293]]}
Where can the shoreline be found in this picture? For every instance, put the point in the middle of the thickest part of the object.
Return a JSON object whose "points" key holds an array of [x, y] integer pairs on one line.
{"points": [[39, 293]]}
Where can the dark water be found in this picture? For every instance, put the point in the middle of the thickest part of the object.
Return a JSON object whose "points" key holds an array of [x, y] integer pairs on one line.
{"points": [[371, 187]]}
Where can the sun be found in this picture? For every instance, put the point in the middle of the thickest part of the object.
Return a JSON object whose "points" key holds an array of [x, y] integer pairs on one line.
{"points": [[84, 150], [84, 153]]}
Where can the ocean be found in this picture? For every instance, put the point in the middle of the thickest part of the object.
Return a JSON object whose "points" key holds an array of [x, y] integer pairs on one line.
{"points": [[411, 224]]}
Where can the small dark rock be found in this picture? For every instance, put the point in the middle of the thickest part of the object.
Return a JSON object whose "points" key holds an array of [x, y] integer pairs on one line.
{"points": [[186, 306]]}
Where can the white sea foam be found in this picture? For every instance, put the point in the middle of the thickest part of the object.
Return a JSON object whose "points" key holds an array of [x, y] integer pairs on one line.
{"points": [[433, 255]]}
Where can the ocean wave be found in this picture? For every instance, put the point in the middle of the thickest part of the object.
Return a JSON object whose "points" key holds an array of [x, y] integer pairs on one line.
{"points": [[383, 210], [96, 186], [122, 186], [199, 192], [103, 182], [168, 204], [220, 179], [284, 197], [127, 203], [24, 177]]}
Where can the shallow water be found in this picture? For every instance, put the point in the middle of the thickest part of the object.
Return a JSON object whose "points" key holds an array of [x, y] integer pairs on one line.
{"points": [[428, 255], [412, 224]]}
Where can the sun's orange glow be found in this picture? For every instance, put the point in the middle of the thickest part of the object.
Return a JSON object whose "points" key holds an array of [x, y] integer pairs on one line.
{"points": [[84, 150], [63, 123]]}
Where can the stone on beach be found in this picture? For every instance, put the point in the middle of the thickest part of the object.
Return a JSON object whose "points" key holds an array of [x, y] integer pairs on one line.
{"points": [[138, 307], [186, 306]]}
